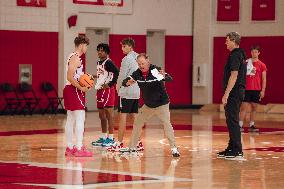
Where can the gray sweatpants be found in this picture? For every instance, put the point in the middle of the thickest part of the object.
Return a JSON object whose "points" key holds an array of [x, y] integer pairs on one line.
{"points": [[145, 113]]}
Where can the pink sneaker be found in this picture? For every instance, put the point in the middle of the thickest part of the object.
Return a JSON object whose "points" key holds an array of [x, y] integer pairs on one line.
{"points": [[70, 151], [139, 146], [83, 152], [115, 147]]}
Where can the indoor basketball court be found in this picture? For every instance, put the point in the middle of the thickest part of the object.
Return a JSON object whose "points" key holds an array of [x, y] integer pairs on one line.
{"points": [[188, 42]]}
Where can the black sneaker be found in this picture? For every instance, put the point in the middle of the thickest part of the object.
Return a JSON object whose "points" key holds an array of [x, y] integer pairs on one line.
{"points": [[234, 156], [253, 129], [223, 153]]}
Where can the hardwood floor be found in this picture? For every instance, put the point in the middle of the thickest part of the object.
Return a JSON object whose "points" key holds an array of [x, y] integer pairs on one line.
{"points": [[32, 155]]}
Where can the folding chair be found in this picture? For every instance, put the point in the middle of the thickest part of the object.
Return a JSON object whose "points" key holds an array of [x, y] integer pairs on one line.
{"points": [[54, 102], [12, 100], [31, 101]]}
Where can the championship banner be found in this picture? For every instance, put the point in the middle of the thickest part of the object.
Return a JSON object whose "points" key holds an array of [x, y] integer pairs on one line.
{"points": [[263, 10], [228, 10], [100, 2], [31, 3]]}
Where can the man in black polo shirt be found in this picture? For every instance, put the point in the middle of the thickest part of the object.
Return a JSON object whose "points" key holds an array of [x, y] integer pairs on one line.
{"points": [[150, 79], [234, 81]]}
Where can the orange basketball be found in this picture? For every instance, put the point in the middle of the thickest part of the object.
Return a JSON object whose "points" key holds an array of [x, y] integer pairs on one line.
{"points": [[86, 80]]}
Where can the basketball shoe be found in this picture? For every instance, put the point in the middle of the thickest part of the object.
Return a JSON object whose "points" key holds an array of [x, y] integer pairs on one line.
{"points": [[83, 152]]}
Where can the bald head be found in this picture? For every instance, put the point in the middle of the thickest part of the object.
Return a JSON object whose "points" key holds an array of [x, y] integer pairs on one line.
{"points": [[143, 62]]}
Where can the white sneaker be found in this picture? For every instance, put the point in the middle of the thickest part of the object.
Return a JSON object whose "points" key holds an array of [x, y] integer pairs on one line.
{"points": [[127, 150], [175, 152], [115, 147]]}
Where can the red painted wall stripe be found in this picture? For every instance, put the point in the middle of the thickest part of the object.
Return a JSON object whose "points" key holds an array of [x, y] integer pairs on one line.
{"points": [[178, 63]]}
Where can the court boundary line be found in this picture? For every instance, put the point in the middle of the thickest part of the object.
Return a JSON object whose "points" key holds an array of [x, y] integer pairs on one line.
{"points": [[159, 178]]}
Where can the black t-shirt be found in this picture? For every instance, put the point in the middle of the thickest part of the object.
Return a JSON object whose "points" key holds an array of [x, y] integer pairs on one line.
{"points": [[235, 62], [111, 67]]}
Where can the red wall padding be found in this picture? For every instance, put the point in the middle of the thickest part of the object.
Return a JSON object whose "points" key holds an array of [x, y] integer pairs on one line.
{"points": [[271, 51], [178, 63], [24, 47], [116, 53], [41, 50]]}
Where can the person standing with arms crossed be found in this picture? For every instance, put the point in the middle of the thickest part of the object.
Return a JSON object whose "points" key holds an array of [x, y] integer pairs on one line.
{"points": [[234, 81]]}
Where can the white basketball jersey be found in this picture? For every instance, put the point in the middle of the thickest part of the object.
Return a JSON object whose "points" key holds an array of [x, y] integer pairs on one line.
{"points": [[103, 76], [79, 70]]}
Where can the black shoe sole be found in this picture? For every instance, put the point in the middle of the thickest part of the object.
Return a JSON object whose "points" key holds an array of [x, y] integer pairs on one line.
{"points": [[176, 155], [254, 131]]}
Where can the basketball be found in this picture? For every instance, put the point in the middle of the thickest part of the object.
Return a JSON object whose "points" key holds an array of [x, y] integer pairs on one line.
{"points": [[86, 80]]}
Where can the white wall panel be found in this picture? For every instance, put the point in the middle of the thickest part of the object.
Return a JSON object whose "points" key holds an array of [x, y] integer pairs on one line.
{"points": [[13, 17]]}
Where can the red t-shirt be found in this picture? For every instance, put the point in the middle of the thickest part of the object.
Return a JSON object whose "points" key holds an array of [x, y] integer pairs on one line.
{"points": [[254, 82]]}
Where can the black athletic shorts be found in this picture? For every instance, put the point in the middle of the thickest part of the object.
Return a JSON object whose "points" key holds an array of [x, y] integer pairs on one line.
{"points": [[128, 105], [252, 96]]}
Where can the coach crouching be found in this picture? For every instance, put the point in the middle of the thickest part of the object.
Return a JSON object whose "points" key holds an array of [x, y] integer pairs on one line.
{"points": [[150, 79]]}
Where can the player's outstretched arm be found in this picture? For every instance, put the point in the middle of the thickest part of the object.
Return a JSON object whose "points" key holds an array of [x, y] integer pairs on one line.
{"points": [[128, 81]]}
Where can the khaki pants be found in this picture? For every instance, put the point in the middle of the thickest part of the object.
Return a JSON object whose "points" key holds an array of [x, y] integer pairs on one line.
{"points": [[145, 113]]}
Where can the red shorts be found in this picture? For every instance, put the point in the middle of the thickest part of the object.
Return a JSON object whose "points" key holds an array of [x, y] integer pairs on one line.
{"points": [[74, 99], [105, 97]]}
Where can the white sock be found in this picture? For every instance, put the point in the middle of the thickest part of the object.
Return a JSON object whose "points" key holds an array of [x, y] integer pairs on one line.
{"points": [[104, 136], [241, 123], [69, 128], [79, 131], [251, 123], [110, 136]]}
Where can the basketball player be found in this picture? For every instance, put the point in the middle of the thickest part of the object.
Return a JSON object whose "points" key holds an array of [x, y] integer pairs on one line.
{"points": [[234, 81], [128, 102], [74, 100], [151, 82], [255, 88], [107, 74]]}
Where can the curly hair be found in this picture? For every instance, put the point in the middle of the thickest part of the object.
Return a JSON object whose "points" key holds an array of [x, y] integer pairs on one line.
{"points": [[104, 47]]}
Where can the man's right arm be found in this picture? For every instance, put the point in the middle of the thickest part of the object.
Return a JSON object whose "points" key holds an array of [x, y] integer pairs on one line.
{"points": [[234, 71], [122, 73], [130, 80], [73, 64]]}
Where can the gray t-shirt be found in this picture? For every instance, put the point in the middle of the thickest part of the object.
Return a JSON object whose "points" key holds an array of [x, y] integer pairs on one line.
{"points": [[128, 66]]}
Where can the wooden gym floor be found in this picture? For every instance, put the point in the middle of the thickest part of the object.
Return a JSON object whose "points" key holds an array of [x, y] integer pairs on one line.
{"points": [[32, 155]]}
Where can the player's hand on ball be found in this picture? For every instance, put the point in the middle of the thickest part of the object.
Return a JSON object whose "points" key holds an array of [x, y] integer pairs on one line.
{"points": [[105, 86], [84, 89]]}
